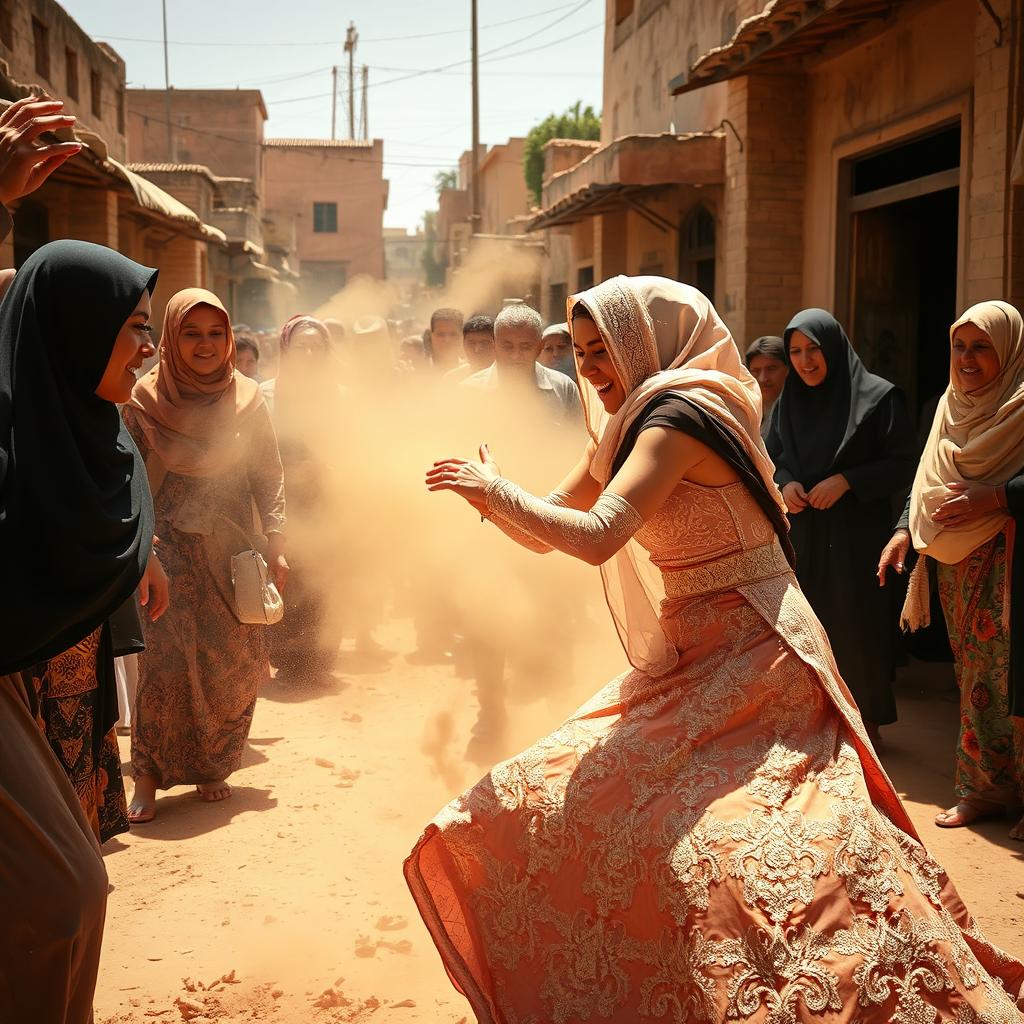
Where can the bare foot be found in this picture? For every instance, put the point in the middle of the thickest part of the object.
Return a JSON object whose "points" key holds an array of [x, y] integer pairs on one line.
{"points": [[1017, 832], [968, 811], [143, 805], [213, 792]]}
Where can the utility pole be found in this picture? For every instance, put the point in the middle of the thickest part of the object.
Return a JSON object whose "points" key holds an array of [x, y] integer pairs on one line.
{"points": [[351, 39], [474, 163], [167, 93], [364, 121], [334, 101]]}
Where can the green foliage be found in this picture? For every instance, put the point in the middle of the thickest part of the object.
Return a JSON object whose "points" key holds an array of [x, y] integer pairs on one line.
{"points": [[445, 179], [433, 268], [573, 124]]}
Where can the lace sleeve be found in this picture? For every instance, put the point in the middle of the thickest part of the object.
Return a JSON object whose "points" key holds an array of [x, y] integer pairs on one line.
{"points": [[521, 537], [592, 536]]}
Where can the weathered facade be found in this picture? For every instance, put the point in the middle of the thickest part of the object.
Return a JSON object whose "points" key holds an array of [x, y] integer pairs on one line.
{"points": [[336, 193], [94, 196], [42, 44], [215, 141], [871, 163]]}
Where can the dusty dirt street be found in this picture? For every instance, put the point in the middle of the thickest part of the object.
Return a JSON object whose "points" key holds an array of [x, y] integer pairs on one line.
{"points": [[287, 904]]}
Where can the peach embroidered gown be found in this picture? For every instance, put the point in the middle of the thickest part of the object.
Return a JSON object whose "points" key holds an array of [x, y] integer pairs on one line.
{"points": [[715, 843]]}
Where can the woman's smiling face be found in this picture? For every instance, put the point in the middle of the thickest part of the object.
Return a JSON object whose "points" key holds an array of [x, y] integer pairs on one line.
{"points": [[974, 362], [203, 341], [594, 362]]}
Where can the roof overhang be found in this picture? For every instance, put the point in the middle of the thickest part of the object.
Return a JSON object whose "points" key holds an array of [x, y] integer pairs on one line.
{"points": [[618, 175], [785, 30]]}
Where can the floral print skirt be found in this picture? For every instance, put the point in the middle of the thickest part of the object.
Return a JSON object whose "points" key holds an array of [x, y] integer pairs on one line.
{"points": [[990, 749], [66, 691]]}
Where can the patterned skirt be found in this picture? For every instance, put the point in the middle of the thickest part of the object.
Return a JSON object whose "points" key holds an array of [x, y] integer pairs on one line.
{"points": [[715, 844], [990, 748], [67, 694]]}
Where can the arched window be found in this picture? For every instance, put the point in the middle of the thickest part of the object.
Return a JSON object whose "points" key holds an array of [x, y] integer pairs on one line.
{"points": [[697, 250]]}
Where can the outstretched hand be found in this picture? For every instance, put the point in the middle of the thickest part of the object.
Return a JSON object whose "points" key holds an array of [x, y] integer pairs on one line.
{"points": [[467, 479], [24, 165]]}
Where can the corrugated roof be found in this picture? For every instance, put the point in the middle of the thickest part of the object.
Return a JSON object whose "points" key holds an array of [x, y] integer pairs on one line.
{"points": [[784, 30], [144, 168], [318, 143]]}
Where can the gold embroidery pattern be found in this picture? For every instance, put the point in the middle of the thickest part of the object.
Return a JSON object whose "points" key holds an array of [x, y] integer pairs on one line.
{"points": [[864, 858], [511, 908], [585, 975], [679, 985], [778, 970], [615, 859], [728, 573], [778, 859], [899, 958], [691, 865]]}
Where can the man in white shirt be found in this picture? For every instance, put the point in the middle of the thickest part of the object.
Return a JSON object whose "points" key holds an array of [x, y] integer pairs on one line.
{"points": [[518, 340]]}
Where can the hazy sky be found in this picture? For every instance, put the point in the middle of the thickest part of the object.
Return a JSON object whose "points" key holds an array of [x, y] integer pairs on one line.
{"points": [[287, 49]]}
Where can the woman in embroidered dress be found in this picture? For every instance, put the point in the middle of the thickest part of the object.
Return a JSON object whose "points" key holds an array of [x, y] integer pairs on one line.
{"points": [[211, 456], [711, 836], [967, 498]]}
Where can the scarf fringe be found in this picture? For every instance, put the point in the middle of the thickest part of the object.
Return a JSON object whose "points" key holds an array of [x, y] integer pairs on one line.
{"points": [[916, 612]]}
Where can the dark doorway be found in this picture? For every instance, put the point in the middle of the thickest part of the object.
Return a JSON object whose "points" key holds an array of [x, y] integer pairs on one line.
{"points": [[31, 230], [904, 223], [697, 250]]}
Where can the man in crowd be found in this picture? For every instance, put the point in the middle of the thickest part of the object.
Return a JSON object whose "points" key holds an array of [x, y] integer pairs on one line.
{"points": [[247, 355], [556, 353], [446, 339], [518, 342], [766, 360], [477, 348]]}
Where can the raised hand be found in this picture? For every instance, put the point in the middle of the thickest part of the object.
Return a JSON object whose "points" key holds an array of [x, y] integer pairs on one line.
{"points": [[24, 165], [467, 479]]}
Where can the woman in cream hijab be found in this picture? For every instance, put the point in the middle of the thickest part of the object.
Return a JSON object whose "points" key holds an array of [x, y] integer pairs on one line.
{"points": [[967, 498], [213, 466], [710, 837]]}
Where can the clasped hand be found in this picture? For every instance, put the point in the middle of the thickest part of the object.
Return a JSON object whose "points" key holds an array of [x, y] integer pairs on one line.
{"points": [[821, 496], [466, 478], [966, 503]]}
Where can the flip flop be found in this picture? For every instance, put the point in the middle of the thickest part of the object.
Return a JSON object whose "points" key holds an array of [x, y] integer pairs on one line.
{"points": [[142, 816], [968, 813]]}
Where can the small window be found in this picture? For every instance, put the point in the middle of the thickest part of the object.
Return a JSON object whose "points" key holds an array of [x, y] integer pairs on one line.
{"points": [[41, 40], [6, 24], [120, 111], [325, 218], [96, 84], [71, 72]]}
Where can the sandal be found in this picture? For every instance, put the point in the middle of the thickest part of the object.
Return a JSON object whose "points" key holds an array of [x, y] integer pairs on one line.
{"points": [[967, 812]]}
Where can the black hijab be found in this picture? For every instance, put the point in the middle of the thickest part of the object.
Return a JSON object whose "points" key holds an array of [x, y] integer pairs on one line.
{"points": [[816, 423], [76, 518]]}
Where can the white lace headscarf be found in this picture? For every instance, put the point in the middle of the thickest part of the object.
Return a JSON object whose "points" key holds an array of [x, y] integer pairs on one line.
{"points": [[662, 336]]}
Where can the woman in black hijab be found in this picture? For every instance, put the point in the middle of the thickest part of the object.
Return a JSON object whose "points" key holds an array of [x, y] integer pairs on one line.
{"points": [[76, 534], [844, 452]]}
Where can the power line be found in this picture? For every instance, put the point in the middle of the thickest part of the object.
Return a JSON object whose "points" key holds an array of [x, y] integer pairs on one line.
{"points": [[322, 42], [446, 67]]}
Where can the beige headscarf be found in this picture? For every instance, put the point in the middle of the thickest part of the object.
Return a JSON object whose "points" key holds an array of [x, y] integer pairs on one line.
{"points": [[974, 438], [662, 336], [192, 420]]}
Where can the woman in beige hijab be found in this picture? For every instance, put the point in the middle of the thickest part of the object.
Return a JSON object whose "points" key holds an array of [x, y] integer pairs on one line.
{"points": [[214, 470], [967, 498], [711, 836]]}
